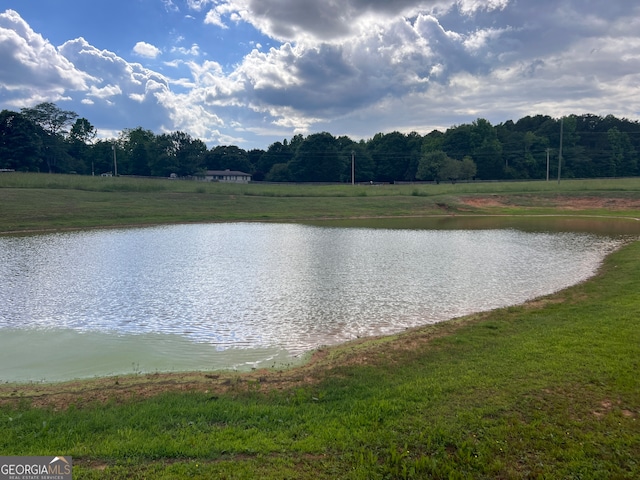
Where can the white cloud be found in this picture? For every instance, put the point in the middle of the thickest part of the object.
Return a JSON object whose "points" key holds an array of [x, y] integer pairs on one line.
{"points": [[32, 68], [104, 92], [469, 7], [355, 67], [170, 6], [193, 51], [198, 4], [329, 21], [147, 50], [214, 17]]}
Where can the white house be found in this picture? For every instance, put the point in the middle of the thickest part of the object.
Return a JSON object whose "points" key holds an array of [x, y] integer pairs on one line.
{"points": [[229, 176]]}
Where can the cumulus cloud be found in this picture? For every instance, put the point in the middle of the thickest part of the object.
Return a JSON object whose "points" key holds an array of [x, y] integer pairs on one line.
{"points": [[147, 50], [313, 20], [327, 79], [140, 95], [338, 57], [32, 68], [343, 57], [355, 67]]}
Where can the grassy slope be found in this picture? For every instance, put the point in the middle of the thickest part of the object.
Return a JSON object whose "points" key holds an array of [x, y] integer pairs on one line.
{"points": [[549, 389]]}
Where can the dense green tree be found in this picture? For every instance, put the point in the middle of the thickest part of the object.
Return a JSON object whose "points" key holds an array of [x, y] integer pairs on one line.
{"points": [[178, 153], [450, 170], [486, 150], [432, 142], [318, 159], [576, 161], [468, 168], [279, 173], [191, 154], [513, 151], [524, 152], [50, 117], [228, 158], [438, 166], [363, 163], [20, 142], [533, 124], [431, 165], [392, 154], [82, 131], [254, 156], [414, 150], [623, 159], [80, 138], [139, 158], [480, 140], [138, 150], [102, 157], [46, 137], [165, 159], [593, 139], [54, 122], [457, 141], [277, 152]]}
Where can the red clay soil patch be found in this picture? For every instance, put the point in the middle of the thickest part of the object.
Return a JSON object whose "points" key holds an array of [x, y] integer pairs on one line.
{"points": [[562, 201], [607, 203], [479, 202]]}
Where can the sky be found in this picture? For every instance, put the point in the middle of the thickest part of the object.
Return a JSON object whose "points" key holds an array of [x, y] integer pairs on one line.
{"points": [[252, 72]]}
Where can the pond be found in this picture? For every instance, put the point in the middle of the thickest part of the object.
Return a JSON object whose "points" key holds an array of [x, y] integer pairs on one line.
{"points": [[248, 295]]}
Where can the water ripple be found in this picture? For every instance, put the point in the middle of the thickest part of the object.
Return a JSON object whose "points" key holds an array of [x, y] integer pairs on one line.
{"points": [[289, 287]]}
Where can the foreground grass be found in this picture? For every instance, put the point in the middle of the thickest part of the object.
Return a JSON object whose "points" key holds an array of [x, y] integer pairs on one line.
{"points": [[545, 390]]}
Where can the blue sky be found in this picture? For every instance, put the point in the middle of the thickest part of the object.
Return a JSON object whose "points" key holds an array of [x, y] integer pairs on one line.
{"points": [[251, 72]]}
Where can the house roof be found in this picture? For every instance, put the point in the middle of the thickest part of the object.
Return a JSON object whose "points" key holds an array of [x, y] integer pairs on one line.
{"points": [[228, 173]]}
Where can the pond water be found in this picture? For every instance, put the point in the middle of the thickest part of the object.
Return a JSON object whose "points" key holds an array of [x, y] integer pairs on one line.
{"points": [[246, 295]]}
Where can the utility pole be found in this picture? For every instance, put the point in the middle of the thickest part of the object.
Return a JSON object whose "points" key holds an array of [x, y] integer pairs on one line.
{"points": [[548, 151], [115, 162], [560, 152], [353, 167]]}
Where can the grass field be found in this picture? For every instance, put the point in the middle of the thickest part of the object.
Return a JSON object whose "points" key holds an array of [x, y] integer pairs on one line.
{"points": [[44, 201], [549, 389]]}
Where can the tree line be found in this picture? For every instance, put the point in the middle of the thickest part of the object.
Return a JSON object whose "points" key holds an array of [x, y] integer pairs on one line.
{"points": [[47, 138]]}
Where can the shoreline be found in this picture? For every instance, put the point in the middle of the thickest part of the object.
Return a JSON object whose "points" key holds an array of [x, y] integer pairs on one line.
{"points": [[141, 385], [310, 370]]}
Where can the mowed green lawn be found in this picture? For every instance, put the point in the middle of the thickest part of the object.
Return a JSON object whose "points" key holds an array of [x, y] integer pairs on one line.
{"points": [[549, 389]]}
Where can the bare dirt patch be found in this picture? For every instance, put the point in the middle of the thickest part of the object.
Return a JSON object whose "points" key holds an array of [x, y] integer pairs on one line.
{"points": [[563, 201], [606, 406], [482, 202]]}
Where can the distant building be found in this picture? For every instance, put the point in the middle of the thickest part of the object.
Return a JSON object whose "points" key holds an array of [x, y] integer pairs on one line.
{"points": [[228, 176]]}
